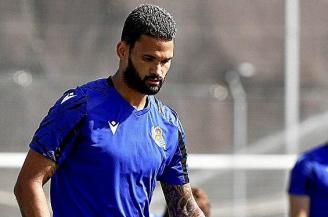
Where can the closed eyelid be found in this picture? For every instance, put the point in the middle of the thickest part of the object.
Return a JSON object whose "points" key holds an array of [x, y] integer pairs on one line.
{"points": [[149, 58], [166, 60]]}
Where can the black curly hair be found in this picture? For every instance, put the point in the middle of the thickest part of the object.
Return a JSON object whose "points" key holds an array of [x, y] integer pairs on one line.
{"points": [[149, 20]]}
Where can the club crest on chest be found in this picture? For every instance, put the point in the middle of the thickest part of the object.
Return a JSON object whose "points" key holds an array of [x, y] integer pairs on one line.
{"points": [[157, 135]]}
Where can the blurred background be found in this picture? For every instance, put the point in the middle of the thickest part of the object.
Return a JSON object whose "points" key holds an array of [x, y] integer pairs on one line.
{"points": [[248, 77]]}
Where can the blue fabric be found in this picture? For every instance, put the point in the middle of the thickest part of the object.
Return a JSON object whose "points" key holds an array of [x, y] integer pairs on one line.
{"points": [[309, 177], [109, 155]]}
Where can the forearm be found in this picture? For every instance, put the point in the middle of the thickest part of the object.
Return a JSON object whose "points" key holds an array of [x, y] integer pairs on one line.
{"points": [[32, 200], [180, 201], [294, 212], [186, 213], [299, 206]]}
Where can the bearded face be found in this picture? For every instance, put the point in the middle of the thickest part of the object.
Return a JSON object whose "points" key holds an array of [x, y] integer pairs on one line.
{"points": [[148, 85]]}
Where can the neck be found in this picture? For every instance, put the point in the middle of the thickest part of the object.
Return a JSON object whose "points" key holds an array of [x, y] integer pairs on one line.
{"points": [[136, 99]]}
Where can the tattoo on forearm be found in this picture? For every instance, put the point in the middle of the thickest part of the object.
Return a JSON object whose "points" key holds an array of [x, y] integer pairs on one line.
{"points": [[180, 201]]}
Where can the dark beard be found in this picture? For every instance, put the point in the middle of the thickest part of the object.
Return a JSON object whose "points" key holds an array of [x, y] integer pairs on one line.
{"points": [[132, 79]]}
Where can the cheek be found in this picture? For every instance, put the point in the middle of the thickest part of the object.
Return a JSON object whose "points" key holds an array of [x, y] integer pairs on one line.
{"points": [[166, 69], [141, 68]]}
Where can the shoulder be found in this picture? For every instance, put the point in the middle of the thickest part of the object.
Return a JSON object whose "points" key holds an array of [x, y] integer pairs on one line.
{"points": [[95, 85], [314, 154], [318, 151], [76, 99], [87, 94], [305, 168], [99, 86], [71, 100], [81, 92], [308, 158], [166, 112]]}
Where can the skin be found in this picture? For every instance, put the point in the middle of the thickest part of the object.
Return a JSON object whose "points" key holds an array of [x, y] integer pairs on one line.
{"points": [[36, 171], [202, 200], [299, 206], [180, 201], [150, 57]]}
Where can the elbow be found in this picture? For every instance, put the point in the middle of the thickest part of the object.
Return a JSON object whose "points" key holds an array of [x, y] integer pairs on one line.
{"points": [[18, 189], [25, 188]]}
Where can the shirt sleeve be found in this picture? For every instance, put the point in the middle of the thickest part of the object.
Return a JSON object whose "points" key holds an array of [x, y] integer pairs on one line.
{"points": [[299, 179], [56, 134], [176, 171]]}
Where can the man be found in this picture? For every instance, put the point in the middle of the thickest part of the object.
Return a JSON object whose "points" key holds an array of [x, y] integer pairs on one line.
{"points": [[106, 143], [308, 186]]}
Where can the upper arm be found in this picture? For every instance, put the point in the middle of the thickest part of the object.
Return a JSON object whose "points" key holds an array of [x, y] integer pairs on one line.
{"points": [[299, 187], [36, 169], [59, 129], [180, 200], [176, 168], [300, 177], [29, 193], [299, 206]]}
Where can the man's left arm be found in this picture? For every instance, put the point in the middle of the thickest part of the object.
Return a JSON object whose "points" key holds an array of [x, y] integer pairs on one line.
{"points": [[180, 201]]}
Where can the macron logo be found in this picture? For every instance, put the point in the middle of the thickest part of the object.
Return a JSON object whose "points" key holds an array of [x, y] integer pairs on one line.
{"points": [[67, 97], [113, 126]]}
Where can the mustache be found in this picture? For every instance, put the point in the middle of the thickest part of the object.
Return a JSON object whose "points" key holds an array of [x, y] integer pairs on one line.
{"points": [[153, 77]]}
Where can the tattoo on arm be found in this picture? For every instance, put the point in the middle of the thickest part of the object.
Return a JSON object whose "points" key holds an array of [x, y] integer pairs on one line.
{"points": [[180, 201]]}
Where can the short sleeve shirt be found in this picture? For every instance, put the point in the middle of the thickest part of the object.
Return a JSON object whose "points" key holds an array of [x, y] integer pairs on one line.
{"points": [[109, 155], [309, 177]]}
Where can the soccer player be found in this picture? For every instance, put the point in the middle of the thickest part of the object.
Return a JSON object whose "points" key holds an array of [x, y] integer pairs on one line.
{"points": [[106, 143], [308, 185]]}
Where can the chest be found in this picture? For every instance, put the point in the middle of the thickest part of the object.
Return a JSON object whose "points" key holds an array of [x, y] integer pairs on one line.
{"points": [[126, 142]]}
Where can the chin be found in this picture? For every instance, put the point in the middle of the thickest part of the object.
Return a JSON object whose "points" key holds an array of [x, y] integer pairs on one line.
{"points": [[152, 92]]}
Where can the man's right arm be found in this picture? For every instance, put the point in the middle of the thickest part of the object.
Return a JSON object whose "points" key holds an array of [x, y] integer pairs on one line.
{"points": [[299, 206], [35, 172]]}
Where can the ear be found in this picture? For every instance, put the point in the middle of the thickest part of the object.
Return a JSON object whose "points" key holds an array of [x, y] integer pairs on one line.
{"points": [[122, 49]]}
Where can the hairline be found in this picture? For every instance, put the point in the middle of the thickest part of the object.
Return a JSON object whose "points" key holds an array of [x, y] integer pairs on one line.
{"points": [[131, 45]]}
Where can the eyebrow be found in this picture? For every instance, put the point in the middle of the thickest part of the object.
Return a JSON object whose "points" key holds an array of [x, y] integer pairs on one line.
{"points": [[153, 57]]}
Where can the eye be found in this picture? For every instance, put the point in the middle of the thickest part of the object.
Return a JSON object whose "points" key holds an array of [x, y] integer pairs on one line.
{"points": [[165, 61], [148, 58]]}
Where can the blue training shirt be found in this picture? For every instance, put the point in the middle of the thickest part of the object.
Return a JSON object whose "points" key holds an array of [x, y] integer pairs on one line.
{"points": [[109, 155], [309, 177]]}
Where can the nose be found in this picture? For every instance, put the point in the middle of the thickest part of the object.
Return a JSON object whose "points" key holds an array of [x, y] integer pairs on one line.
{"points": [[157, 69]]}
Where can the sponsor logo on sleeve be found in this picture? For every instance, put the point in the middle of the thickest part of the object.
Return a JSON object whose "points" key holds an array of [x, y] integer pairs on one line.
{"points": [[67, 97]]}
